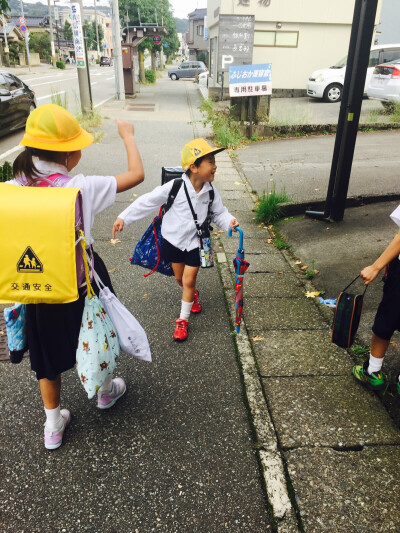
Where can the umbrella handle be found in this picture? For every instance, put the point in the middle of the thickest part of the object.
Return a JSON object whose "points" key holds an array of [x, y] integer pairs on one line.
{"points": [[240, 235]]}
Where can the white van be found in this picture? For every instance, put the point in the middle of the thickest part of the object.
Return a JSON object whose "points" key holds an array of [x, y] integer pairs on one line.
{"points": [[327, 83]]}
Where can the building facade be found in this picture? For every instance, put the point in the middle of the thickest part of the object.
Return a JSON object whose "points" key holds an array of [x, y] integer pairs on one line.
{"points": [[295, 36], [195, 36]]}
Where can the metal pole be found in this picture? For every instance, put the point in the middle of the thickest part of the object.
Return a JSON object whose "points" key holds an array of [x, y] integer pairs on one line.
{"points": [[357, 73], [56, 23], [53, 51], [117, 52], [6, 53], [347, 100], [97, 29], [26, 38], [83, 72]]}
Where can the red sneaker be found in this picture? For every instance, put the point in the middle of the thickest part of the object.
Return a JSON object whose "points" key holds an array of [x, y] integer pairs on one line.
{"points": [[180, 333], [196, 307]]}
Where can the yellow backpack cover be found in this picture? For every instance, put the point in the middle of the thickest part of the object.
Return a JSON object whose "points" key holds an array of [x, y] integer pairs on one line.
{"points": [[37, 242]]}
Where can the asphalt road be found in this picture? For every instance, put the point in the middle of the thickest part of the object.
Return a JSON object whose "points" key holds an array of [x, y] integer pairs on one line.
{"points": [[176, 453]]}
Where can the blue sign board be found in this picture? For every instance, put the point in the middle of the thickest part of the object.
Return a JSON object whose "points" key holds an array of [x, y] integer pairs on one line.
{"points": [[250, 80]]}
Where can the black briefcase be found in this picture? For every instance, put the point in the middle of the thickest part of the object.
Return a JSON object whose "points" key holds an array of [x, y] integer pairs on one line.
{"points": [[347, 317]]}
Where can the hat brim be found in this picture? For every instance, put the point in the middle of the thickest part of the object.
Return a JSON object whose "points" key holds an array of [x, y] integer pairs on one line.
{"points": [[213, 152], [82, 140]]}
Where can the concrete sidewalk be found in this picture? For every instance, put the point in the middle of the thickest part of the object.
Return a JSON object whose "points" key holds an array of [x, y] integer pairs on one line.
{"points": [[337, 444]]}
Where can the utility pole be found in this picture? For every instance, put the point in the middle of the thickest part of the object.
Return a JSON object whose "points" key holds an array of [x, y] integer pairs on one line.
{"points": [[81, 58], [53, 51], [6, 50], [56, 20], [117, 52], [26, 37], [97, 29]]}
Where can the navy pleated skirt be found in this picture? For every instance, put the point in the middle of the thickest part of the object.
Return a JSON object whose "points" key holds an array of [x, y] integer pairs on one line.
{"points": [[53, 330]]}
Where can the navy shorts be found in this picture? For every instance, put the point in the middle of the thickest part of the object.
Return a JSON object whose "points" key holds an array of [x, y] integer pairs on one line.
{"points": [[387, 318], [171, 254]]}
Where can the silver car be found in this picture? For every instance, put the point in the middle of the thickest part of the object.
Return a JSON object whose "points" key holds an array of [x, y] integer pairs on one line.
{"points": [[187, 69], [384, 84]]}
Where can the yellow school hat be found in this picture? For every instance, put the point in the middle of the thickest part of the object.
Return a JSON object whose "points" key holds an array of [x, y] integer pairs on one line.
{"points": [[195, 149], [51, 127]]}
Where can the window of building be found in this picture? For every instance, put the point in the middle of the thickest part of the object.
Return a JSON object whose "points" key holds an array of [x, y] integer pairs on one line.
{"points": [[200, 30], [276, 38]]}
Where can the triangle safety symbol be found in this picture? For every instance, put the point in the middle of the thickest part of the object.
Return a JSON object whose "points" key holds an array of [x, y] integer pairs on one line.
{"points": [[29, 262]]}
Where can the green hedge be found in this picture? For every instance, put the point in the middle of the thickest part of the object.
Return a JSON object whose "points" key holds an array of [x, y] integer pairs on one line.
{"points": [[6, 172], [60, 64], [150, 76]]}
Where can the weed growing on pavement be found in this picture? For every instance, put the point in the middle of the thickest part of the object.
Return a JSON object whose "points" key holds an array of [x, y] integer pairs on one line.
{"points": [[226, 131], [396, 112], [91, 122], [6, 172], [311, 272], [59, 99], [267, 208], [360, 351]]}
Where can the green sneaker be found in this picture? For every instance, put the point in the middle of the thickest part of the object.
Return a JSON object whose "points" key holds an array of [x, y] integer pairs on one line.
{"points": [[374, 381]]}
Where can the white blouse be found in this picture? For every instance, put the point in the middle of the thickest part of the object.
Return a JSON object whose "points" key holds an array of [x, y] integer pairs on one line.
{"points": [[178, 226]]}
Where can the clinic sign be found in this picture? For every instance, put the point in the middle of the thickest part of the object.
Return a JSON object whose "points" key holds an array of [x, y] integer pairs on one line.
{"points": [[77, 35], [236, 39], [250, 80]]}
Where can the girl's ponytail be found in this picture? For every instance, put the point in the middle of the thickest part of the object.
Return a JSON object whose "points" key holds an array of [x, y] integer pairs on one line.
{"points": [[24, 166]]}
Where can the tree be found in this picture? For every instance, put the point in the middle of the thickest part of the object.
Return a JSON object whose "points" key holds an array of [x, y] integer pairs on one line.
{"points": [[40, 42], [4, 6], [67, 31], [91, 35]]}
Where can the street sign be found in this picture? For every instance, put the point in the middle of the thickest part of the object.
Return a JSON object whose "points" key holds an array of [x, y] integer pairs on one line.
{"points": [[250, 80], [22, 20], [236, 38], [22, 27], [78, 35], [157, 39]]}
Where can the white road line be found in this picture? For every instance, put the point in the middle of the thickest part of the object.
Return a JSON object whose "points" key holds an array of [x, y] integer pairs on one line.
{"points": [[104, 101], [93, 83], [112, 78], [49, 95], [41, 77], [9, 152], [53, 81]]}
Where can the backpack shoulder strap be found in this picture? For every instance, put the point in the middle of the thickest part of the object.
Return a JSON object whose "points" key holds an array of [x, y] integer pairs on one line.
{"points": [[172, 195], [212, 195]]}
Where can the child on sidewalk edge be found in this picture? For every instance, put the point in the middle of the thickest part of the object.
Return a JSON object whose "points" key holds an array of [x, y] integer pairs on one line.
{"points": [[387, 318], [180, 240], [53, 142]]}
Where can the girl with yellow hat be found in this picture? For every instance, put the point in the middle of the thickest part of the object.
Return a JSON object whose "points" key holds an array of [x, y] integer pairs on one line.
{"points": [[53, 142]]}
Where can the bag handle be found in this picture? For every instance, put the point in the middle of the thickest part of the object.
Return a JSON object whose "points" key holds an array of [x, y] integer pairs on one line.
{"points": [[351, 283], [90, 291]]}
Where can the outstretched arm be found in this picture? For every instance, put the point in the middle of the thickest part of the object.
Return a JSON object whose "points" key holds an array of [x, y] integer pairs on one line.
{"points": [[369, 273], [135, 173]]}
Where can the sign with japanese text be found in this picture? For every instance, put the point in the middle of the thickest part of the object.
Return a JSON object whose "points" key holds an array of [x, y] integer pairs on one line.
{"points": [[236, 39], [250, 80], [77, 35]]}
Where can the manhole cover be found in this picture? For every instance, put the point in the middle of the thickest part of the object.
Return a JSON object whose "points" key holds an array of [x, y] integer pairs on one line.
{"points": [[141, 107]]}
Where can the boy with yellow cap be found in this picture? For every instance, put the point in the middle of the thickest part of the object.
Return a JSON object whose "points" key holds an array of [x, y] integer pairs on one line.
{"points": [[53, 142], [180, 239]]}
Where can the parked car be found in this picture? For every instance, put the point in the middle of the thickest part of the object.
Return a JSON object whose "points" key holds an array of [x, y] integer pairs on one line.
{"points": [[187, 69], [384, 84], [17, 100], [327, 83], [105, 60]]}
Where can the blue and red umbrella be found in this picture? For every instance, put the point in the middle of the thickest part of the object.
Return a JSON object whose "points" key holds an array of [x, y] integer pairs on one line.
{"points": [[240, 268]]}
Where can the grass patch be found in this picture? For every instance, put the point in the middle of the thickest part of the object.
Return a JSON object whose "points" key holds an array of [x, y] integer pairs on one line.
{"points": [[267, 209], [360, 351], [59, 99], [311, 272], [91, 122], [226, 131]]}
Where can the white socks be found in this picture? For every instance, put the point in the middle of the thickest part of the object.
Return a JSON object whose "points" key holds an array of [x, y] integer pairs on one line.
{"points": [[375, 364], [185, 310], [54, 420], [107, 386]]}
